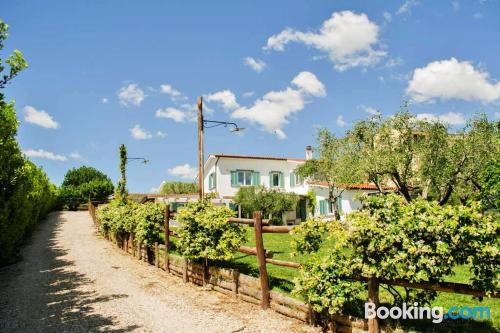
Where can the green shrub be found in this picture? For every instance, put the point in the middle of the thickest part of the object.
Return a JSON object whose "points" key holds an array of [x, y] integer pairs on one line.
{"points": [[206, 233], [392, 239], [145, 221], [26, 194], [150, 219]]}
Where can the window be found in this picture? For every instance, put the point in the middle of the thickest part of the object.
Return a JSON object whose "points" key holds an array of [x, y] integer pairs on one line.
{"points": [[295, 179], [244, 178], [211, 181], [324, 207], [276, 179]]}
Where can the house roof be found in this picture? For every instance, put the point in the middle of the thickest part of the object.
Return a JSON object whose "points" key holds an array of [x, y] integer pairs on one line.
{"points": [[254, 157], [360, 186]]}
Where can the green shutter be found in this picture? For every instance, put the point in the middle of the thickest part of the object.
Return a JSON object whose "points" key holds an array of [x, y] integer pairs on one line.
{"points": [[339, 204], [322, 207], [211, 181], [292, 179], [282, 180], [233, 206], [174, 206], [234, 179], [270, 180], [255, 178]]}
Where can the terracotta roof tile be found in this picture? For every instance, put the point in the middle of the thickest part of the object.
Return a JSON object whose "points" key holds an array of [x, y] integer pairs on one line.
{"points": [[361, 186], [260, 157]]}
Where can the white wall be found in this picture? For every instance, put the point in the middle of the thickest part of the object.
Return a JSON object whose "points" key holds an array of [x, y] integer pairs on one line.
{"points": [[224, 166]]}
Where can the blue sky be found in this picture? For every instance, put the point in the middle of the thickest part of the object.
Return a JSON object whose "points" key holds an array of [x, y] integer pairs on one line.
{"points": [[103, 73]]}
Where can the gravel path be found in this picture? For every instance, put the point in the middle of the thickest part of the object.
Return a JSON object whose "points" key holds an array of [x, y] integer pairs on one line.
{"points": [[71, 280]]}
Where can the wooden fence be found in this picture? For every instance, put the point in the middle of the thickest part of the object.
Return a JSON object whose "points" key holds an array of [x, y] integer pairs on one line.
{"points": [[253, 290]]}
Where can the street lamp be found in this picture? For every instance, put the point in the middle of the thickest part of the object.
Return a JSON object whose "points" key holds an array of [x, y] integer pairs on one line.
{"points": [[202, 124], [144, 161]]}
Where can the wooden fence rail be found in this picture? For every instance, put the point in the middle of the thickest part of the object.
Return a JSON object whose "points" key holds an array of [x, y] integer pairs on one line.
{"points": [[241, 284]]}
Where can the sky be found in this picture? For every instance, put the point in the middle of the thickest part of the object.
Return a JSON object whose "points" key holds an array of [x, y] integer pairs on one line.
{"points": [[102, 73]]}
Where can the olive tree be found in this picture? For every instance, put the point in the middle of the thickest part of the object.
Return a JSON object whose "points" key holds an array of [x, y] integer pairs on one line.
{"points": [[336, 162]]}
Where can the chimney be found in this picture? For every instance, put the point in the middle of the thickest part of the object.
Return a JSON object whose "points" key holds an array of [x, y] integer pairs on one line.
{"points": [[309, 153]]}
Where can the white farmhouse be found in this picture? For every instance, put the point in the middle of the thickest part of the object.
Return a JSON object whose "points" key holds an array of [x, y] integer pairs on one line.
{"points": [[225, 174]]}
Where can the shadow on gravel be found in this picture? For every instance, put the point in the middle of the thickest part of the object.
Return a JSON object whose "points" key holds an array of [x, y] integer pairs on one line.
{"points": [[42, 293]]}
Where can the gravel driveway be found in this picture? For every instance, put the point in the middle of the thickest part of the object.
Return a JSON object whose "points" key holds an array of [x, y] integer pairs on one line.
{"points": [[71, 280]]}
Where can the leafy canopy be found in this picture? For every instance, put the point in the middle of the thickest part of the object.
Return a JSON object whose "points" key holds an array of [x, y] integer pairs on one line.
{"points": [[206, 233], [83, 183], [26, 194], [336, 163], [144, 221], [268, 201], [390, 239], [423, 159], [178, 188]]}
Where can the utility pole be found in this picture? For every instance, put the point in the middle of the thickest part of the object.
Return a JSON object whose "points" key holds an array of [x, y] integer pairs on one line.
{"points": [[200, 147]]}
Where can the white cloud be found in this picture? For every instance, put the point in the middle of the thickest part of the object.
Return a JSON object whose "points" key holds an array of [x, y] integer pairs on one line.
{"points": [[255, 64], [224, 97], [497, 115], [178, 115], [394, 62], [160, 134], [76, 156], [477, 16], [131, 94], [40, 153], [140, 133], [452, 79], [369, 109], [451, 118], [407, 7], [346, 37], [387, 16], [184, 171], [248, 94], [273, 110], [455, 5], [173, 93], [40, 118], [341, 122], [104, 100], [309, 83]]}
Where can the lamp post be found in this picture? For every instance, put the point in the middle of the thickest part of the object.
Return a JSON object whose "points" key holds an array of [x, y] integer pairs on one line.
{"points": [[145, 161], [202, 124]]}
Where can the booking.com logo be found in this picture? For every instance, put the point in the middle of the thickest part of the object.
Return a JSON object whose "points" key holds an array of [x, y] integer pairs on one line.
{"points": [[436, 313]]}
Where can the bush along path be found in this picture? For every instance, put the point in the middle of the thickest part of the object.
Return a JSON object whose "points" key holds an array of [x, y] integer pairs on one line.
{"points": [[72, 280]]}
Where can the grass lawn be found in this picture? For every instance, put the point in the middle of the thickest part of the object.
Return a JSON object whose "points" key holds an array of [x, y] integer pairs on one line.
{"points": [[281, 280]]}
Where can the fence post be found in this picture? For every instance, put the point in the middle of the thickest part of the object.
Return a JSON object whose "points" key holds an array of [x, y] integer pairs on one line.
{"points": [[236, 278], [185, 271], [261, 256], [157, 259], [373, 287], [166, 221]]}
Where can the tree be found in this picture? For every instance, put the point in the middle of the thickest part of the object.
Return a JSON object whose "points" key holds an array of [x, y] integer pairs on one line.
{"points": [[489, 184], [178, 188], [121, 192], [84, 183], [336, 163], [26, 194], [270, 202], [421, 158]]}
